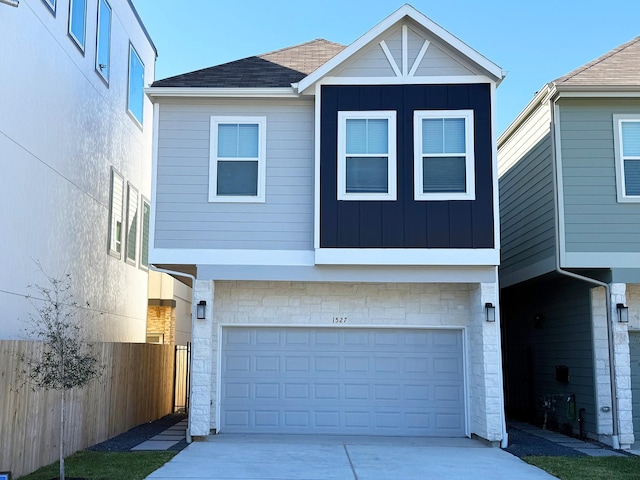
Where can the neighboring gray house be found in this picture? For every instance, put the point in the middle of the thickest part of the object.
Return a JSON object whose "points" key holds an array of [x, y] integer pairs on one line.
{"points": [[570, 223], [338, 208]]}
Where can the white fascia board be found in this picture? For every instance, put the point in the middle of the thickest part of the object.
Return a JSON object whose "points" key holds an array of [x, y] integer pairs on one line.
{"points": [[230, 257], [404, 11], [407, 256], [590, 91], [433, 80], [279, 92]]}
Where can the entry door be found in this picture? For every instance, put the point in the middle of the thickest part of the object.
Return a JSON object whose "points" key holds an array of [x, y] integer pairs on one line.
{"points": [[402, 382]]}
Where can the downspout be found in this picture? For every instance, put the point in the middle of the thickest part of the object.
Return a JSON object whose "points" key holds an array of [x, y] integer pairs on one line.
{"points": [[615, 439], [11, 3], [193, 303]]}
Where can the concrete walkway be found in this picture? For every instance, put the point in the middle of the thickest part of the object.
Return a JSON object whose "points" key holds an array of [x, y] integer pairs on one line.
{"points": [[291, 457], [165, 439]]}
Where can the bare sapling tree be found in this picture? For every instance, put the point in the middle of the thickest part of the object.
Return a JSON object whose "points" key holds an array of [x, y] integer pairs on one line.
{"points": [[68, 360]]}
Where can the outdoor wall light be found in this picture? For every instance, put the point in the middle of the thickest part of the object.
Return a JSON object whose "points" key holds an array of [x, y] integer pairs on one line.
{"points": [[623, 313], [489, 312], [200, 310]]}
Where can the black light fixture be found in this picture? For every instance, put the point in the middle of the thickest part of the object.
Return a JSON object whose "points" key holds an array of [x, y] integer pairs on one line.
{"points": [[489, 312], [200, 310], [623, 313]]}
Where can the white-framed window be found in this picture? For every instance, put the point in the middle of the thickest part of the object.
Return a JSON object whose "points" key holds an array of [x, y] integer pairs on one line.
{"points": [[115, 214], [51, 5], [367, 167], [78, 22], [237, 163], [144, 234], [443, 155], [131, 246], [135, 94], [103, 40], [627, 151]]}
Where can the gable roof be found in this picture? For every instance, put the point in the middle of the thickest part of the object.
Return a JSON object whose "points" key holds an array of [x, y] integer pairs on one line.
{"points": [[279, 68], [618, 67], [492, 70]]}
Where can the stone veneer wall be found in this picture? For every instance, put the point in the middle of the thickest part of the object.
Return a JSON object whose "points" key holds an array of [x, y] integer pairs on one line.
{"points": [[162, 319], [386, 304]]}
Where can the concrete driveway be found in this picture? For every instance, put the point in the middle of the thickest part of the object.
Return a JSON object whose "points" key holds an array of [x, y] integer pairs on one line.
{"points": [[298, 457]]}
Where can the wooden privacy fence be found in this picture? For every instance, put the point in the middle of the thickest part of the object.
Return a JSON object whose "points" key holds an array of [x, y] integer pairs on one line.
{"points": [[135, 387]]}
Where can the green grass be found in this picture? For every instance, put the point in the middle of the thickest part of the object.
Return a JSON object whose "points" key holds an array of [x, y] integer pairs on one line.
{"points": [[589, 468], [105, 465]]}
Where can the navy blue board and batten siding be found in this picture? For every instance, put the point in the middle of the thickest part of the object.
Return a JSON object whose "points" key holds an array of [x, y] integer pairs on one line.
{"points": [[406, 223]]}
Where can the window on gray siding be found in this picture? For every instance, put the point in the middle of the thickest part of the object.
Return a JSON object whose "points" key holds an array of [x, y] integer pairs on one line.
{"points": [[78, 21], [131, 250], [115, 214], [443, 155], [366, 155], [237, 159], [627, 149], [135, 97], [103, 40], [144, 237]]}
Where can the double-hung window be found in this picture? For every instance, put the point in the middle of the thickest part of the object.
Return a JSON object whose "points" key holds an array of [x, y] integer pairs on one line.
{"points": [[627, 150], [115, 214], [443, 155], [135, 97], [367, 155], [237, 166], [77, 22], [103, 40]]}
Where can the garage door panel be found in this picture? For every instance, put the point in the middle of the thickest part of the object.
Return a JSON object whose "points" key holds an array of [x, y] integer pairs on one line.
{"points": [[342, 381]]}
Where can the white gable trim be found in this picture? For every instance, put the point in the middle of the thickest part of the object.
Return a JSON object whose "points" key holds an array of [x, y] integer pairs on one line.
{"points": [[419, 58], [491, 68], [390, 59], [433, 80]]}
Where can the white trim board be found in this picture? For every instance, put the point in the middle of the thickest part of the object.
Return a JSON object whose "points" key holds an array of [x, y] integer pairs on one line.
{"points": [[273, 92], [407, 256], [230, 257]]}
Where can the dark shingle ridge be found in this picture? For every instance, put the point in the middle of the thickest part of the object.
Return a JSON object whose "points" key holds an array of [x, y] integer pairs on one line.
{"points": [[278, 68], [620, 66]]}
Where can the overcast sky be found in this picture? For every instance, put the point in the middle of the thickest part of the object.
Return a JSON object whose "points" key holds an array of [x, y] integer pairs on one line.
{"points": [[535, 42]]}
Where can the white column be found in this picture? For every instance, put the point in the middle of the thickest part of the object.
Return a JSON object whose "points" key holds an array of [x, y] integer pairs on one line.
{"points": [[202, 349], [485, 375]]}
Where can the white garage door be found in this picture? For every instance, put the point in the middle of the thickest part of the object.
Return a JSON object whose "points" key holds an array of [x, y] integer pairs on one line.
{"points": [[342, 381]]}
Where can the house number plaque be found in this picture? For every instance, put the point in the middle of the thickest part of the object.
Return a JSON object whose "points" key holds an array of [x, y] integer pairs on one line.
{"points": [[339, 320]]}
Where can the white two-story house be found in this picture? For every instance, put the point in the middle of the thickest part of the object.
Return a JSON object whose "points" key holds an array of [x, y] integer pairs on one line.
{"points": [[338, 209]]}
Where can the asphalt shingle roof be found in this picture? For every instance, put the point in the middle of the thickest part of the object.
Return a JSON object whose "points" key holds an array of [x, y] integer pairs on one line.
{"points": [[619, 67], [279, 68]]}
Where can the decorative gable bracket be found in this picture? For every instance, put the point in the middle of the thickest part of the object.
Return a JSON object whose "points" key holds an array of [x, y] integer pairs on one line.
{"points": [[403, 70]]}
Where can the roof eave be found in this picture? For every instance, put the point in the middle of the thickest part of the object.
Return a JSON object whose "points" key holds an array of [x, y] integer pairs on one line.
{"points": [[493, 70], [221, 92], [539, 98], [590, 90]]}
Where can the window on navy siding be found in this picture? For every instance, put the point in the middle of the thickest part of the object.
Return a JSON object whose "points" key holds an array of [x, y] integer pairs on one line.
{"points": [[103, 40], [443, 155], [135, 97], [237, 159], [627, 149], [131, 250], [366, 155], [77, 22]]}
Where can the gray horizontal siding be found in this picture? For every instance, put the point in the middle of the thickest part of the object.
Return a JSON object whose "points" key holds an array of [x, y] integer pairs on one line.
{"points": [[527, 225], [594, 220], [184, 217]]}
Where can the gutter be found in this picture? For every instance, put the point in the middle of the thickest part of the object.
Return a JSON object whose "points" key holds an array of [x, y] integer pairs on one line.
{"points": [[193, 303], [615, 438]]}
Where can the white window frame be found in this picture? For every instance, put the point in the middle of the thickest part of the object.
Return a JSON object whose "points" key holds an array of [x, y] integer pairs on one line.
{"points": [[79, 42], [392, 182], [618, 120], [132, 51], [51, 5], [132, 216], [470, 182], [115, 215], [144, 232], [100, 68], [261, 159]]}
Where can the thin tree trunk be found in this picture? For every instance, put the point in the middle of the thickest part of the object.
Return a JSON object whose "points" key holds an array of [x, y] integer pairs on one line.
{"points": [[62, 434]]}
